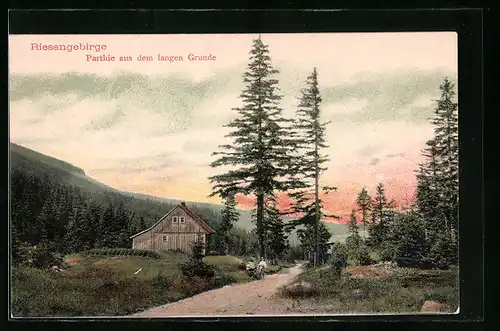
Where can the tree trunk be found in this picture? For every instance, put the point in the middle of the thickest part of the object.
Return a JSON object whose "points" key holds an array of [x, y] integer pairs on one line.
{"points": [[317, 216], [260, 218]]}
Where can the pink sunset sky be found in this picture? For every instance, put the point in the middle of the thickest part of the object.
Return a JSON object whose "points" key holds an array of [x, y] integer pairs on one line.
{"points": [[150, 127]]}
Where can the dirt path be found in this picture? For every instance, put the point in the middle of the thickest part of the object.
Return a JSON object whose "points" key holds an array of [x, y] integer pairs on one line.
{"points": [[254, 298]]}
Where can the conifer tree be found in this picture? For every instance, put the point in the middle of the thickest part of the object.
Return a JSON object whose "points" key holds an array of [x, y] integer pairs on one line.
{"points": [[353, 224], [73, 231], [364, 203], [382, 216], [260, 148], [142, 225], [277, 240], [437, 180], [309, 161], [446, 144], [229, 217], [307, 242]]}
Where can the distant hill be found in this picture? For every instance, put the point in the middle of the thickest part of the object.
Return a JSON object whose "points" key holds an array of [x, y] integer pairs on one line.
{"points": [[37, 163]]}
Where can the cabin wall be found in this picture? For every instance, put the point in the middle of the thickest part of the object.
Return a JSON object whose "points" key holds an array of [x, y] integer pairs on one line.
{"points": [[171, 236]]}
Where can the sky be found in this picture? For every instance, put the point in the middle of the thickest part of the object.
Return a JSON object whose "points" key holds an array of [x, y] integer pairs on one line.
{"points": [[150, 126]]}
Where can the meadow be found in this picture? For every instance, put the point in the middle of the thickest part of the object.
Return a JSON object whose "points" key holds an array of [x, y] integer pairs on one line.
{"points": [[371, 289], [99, 285]]}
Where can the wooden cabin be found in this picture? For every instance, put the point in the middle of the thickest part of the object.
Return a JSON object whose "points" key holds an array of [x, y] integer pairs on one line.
{"points": [[178, 229]]}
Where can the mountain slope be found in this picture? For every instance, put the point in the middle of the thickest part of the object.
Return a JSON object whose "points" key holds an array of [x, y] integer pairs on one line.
{"points": [[64, 172]]}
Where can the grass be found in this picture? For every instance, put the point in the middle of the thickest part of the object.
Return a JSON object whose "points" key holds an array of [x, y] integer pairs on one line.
{"points": [[110, 286], [404, 291]]}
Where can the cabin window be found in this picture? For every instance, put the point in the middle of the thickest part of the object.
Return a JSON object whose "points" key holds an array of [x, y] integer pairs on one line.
{"points": [[175, 219], [182, 219], [164, 239]]}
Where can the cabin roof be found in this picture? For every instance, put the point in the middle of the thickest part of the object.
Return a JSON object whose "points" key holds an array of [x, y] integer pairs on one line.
{"points": [[188, 211]]}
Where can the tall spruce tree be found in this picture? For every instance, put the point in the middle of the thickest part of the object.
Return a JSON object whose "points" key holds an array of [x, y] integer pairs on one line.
{"points": [[353, 226], [446, 144], [354, 239], [382, 216], [427, 192], [437, 180], [309, 135], [381, 206], [260, 149], [364, 202]]}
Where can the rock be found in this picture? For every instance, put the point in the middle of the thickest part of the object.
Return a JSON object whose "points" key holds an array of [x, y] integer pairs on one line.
{"points": [[432, 306]]}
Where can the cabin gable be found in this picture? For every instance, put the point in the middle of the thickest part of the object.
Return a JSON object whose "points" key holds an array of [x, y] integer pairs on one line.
{"points": [[178, 221], [176, 230]]}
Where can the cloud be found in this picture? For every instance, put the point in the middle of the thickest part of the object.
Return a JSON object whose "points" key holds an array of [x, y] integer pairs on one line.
{"points": [[374, 161], [369, 150], [393, 96], [395, 155], [174, 97]]}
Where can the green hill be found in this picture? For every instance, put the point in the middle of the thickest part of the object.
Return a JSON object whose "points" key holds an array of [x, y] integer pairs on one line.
{"points": [[64, 172]]}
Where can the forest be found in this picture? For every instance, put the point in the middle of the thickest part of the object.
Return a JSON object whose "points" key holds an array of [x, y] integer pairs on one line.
{"points": [[269, 155]]}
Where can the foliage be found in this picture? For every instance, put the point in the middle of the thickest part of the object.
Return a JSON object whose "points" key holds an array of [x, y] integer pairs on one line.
{"points": [[308, 164], [276, 237], [306, 238], [338, 258], [437, 180], [382, 217], [259, 150], [197, 268], [39, 256], [407, 244], [229, 217], [404, 291], [363, 255], [197, 250], [364, 203], [293, 253], [109, 287], [120, 252]]}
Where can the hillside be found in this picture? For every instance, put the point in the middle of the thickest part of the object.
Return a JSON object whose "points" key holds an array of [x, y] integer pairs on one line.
{"points": [[66, 173]]}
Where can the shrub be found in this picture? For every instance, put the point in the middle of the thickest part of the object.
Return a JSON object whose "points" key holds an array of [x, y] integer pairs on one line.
{"points": [[338, 258], [121, 252], [197, 250], [363, 255], [197, 268], [224, 280], [299, 291], [443, 253], [409, 241], [162, 282], [39, 256]]}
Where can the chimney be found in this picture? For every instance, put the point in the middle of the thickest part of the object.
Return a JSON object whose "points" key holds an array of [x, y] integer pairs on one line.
{"points": [[183, 204]]}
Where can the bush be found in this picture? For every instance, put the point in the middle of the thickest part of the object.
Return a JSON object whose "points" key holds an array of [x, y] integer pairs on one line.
{"points": [[338, 258], [408, 240], [197, 250], [363, 255], [443, 253], [121, 252], [299, 291], [224, 280], [39, 256], [162, 282], [197, 268]]}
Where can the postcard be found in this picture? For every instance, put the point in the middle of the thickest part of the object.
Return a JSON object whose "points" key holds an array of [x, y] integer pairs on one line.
{"points": [[249, 174]]}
